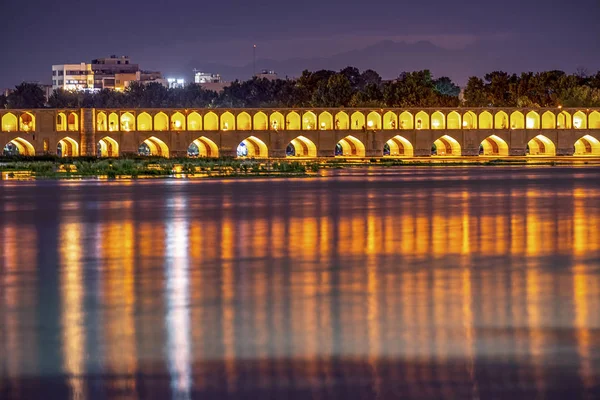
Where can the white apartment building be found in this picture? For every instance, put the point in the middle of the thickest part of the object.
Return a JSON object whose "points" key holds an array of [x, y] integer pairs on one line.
{"points": [[72, 77]]}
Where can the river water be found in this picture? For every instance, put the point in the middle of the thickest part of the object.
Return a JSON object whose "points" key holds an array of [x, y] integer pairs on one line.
{"points": [[444, 282]]}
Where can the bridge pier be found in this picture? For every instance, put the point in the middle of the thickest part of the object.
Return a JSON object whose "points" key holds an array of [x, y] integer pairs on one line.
{"points": [[471, 151], [564, 151]]}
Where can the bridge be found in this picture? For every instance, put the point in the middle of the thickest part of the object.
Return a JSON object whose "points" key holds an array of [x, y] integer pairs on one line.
{"points": [[309, 133]]}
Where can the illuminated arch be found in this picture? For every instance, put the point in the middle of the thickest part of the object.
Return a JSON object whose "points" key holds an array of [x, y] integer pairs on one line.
{"points": [[101, 122], [438, 121], [342, 121], [579, 120], [108, 147], [486, 121], [292, 121], [309, 121], [564, 120], [127, 122], [276, 121], [178, 122], [194, 121], [9, 123], [357, 121], [252, 147], [446, 146], [350, 147], [227, 121], [156, 147], [23, 147], [501, 120], [161, 122], [469, 120], [594, 120], [302, 147], [407, 121], [390, 120], [244, 121], [422, 120], [113, 122], [69, 147], [494, 146], [260, 121], [204, 147], [211, 122], [587, 146], [325, 121], [532, 120], [61, 122], [26, 122], [72, 122], [374, 120], [399, 147], [454, 120], [548, 120], [517, 120], [144, 122], [541, 146]]}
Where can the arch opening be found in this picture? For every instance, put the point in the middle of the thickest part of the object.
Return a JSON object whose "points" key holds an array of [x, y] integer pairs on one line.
{"points": [[579, 120], [398, 146], [211, 122], [244, 121], [292, 121], [486, 120], [325, 121], [113, 122], [469, 120], [67, 147], [357, 121], [153, 147], [390, 120], [548, 120], [517, 120], [101, 122], [532, 120], [144, 122], [446, 146], [594, 119], [564, 120], [9, 122], [350, 147], [422, 120], [493, 146], [107, 147], [301, 147], [276, 121], [194, 121], [501, 120], [227, 121], [178, 122], [342, 121], [161, 122], [27, 122], [587, 146], [203, 147], [260, 121], [19, 146], [252, 147], [309, 121], [127, 122], [454, 121], [406, 120], [541, 146], [374, 120]]}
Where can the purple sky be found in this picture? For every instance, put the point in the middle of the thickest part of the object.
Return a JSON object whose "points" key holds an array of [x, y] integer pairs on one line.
{"points": [[173, 35]]}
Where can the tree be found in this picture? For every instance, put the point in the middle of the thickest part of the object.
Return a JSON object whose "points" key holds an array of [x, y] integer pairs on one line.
{"points": [[475, 94], [499, 90], [337, 91], [411, 89], [369, 77], [445, 87], [2, 101], [27, 95]]}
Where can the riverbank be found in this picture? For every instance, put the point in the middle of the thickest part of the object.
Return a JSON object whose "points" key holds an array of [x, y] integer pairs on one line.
{"points": [[77, 168]]}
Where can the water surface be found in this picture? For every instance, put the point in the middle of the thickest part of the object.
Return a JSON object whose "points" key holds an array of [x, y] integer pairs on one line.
{"points": [[420, 282]]}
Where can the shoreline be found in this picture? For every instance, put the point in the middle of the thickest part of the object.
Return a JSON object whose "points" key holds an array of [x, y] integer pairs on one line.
{"points": [[45, 168]]}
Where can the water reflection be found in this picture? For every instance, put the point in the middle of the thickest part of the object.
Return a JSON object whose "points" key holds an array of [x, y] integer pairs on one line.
{"points": [[339, 287]]}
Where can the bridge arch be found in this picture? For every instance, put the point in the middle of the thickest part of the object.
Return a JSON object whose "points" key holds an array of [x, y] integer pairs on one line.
{"points": [[446, 146], [101, 121], [227, 121], [548, 120], [127, 122], [422, 120], [532, 120], [153, 146], [469, 120], [493, 146], [309, 121], [486, 120], [407, 120], [301, 147], [587, 146], [517, 120], [107, 147], [277, 122], [260, 121], [454, 121], [357, 121], [27, 122], [398, 146], [374, 120], [194, 121], [292, 121], [541, 146], [501, 120], [9, 122], [211, 121], [113, 122], [252, 147], [342, 121], [72, 122], [580, 120], [178, 122], [61, 122], [438, 121], [203, 147], [144, 122], [350, 147], [390, 120], [19, 146], [325, 121], [161, 122], [244, 121], [67, 147], [564, 120], [594, 120]]}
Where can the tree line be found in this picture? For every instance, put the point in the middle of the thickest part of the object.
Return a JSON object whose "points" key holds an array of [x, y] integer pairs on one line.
{"points": [[347, 88]]}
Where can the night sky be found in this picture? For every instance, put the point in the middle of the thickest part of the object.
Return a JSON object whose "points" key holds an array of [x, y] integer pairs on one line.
{"points": [[177, 35]]}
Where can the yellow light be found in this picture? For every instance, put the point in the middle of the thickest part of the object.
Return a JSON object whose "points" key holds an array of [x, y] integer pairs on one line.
{"points": [[177, 124], [370, 124], [464, 123], [323, 125], [577, 122], [435, 123]]}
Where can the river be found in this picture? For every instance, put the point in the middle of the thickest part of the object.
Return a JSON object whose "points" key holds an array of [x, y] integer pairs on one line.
{"points": [[409, 282]]}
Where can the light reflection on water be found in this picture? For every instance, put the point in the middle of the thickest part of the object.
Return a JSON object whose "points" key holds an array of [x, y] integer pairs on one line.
{"points": [[476, 282]]}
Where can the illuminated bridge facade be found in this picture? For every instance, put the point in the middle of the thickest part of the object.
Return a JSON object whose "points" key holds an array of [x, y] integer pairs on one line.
{"points": [[262, 133]]}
